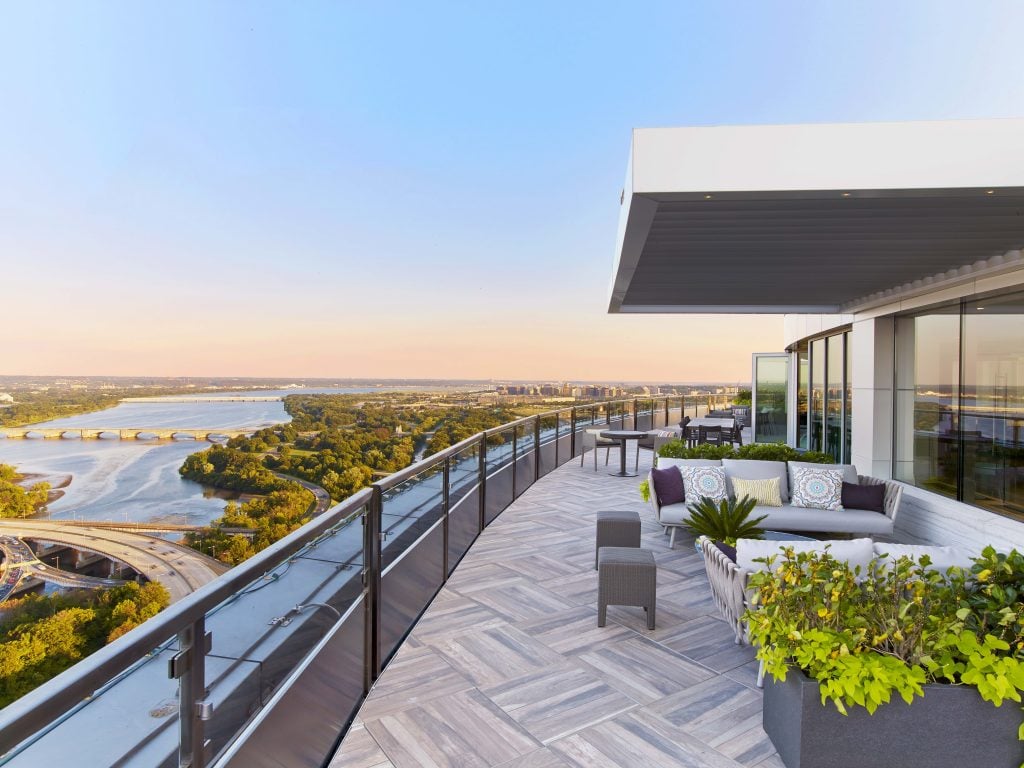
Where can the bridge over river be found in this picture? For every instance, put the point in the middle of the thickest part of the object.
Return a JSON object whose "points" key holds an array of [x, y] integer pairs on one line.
{"points": [[181, 569], [119, 433]]}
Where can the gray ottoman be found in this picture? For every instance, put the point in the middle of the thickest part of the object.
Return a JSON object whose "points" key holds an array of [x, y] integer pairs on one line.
{"points": [[617, 529], [626, 576]]}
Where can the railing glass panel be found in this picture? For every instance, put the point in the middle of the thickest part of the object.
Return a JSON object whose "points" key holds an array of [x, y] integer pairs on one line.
{"points": [[463, 502]]}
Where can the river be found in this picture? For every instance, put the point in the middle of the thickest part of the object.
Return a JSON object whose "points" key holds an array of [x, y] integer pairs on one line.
{"points": [[138, 480]]}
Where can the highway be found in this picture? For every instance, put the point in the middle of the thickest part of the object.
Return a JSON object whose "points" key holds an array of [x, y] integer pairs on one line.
{"points": [[21, 563], [180, 569]]}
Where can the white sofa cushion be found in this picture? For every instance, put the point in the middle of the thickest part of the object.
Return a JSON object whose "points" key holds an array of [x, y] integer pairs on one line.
{"points": [[790, 518], [674, 514], [856, 552], [753, 469], [943, 558]]}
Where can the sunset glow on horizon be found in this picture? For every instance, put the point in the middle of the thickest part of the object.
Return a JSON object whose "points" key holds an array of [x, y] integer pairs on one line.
{"points": [[359, 191]]}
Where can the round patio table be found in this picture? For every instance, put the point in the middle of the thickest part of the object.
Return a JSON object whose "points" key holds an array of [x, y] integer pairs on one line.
{"points": [[622, 435]]}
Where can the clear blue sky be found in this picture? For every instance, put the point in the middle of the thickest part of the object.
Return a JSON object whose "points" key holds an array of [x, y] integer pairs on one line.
{"points": [[407, 189]]}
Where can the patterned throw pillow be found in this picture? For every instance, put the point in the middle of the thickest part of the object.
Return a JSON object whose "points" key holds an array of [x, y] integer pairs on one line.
{"points": [[705, 481], [817, 488], [765, 492]]}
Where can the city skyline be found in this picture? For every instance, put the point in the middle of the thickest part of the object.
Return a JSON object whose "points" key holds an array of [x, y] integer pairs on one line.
{"points": [[406, 192]]}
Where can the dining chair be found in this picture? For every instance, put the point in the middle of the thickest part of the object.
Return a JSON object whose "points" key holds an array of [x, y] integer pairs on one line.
{"points": [[592, 439], [709, 435]]}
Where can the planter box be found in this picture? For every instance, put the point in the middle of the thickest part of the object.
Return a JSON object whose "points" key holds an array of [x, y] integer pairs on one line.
{"points": [[950, 727]]}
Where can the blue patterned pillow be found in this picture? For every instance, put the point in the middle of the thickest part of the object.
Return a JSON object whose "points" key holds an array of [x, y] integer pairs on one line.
{"points": [[705, 482], [817, 488]]}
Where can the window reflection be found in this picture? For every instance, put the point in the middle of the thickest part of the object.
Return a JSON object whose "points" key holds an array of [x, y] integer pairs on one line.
{"points": [[960, 402]]}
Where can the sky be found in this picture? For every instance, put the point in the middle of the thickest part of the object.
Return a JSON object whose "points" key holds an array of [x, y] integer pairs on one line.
{"points": [[408, 189]]}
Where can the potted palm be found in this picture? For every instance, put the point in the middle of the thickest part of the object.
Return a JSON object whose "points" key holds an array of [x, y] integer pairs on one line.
{"points": [[724, 521], [900, 666]]}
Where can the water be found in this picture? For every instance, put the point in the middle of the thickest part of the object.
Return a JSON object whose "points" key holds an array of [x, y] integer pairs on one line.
{"points": [[138, 480]]}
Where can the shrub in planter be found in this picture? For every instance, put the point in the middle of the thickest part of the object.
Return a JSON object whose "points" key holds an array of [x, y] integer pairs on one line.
{"points": [[869, 639], [780, 452], [677, 449]]}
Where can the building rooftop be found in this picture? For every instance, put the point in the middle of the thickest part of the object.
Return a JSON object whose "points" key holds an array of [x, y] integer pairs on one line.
{"points": [[508, 667], [834, 218]]}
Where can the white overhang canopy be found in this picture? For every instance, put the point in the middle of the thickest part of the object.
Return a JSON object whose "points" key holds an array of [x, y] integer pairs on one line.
{"points": [[815, 218]]}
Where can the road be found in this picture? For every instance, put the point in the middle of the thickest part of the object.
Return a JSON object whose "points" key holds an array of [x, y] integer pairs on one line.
{"points": [[323, 498], [21, 563], [180, 569]]}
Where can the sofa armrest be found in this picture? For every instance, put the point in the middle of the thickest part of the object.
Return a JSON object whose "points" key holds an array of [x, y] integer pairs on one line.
{"points": [[652, 497], [728, 582], [893, 494]]}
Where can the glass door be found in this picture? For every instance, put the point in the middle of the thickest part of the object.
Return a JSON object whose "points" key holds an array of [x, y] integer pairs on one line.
{"points": [[770, 384]]}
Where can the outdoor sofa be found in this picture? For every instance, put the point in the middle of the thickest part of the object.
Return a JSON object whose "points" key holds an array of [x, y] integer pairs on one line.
{"points": [[787, 517]]}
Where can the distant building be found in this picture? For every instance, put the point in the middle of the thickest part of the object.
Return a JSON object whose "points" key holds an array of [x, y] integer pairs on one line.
{"points": [[6, 398]]}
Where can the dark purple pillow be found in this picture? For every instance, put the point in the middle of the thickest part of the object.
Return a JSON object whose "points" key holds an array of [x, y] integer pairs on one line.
{"points": [[727, 550], [668, 485], [870, 497]]}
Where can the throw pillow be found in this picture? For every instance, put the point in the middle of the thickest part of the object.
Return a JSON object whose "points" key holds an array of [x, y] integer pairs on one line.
{"points": [[817, 488], [705, 482], [765, 492], [668, 485], [870, 497]]}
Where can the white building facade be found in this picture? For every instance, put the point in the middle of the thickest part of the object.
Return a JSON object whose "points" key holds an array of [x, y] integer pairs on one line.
{"points": [[894, 251]]}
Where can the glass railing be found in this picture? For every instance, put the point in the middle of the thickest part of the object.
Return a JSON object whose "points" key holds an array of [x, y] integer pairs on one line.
{"points": [[268, 664]]}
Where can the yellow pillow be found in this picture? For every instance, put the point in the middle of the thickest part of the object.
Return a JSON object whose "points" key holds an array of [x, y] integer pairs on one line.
{"points": [[764, 492]]}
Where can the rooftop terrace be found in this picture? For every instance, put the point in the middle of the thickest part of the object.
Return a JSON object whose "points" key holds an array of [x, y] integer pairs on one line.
{"points": [[507, 667]]}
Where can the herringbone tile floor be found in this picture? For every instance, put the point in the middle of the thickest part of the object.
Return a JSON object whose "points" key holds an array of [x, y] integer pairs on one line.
{"points": [[509, 668]]}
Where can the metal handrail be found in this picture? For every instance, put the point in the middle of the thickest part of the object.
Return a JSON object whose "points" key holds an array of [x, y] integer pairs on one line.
{"points": [[21, 718], [31, 713]]}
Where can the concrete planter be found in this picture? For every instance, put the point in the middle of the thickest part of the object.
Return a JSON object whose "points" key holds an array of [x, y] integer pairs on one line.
{"points": [[950, 727]]}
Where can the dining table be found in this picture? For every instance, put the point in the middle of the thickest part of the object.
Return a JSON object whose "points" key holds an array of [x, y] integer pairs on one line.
{"points": [[622, 435]]}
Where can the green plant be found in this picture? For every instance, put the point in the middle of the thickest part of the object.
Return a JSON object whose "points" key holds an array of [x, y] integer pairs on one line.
{"points": [[866, 636], [645, 490], [780, 452], [743, 397], [726, 520], [677, 449]]}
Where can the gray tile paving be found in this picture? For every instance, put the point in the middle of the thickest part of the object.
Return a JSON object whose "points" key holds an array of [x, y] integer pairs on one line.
{"points": [[509, 669]]}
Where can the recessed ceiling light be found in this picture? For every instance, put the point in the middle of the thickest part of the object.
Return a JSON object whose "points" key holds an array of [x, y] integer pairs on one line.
{"points": [[990, 191], [707, 197], [846, 194], [979, 308]]}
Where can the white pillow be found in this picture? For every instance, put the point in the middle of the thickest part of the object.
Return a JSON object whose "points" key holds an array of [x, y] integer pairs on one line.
{"points": [[853, 551], [699, 482], [943, 558], [817, 488]]}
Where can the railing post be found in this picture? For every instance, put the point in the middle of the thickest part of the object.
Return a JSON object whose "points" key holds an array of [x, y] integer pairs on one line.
{"points": [[515, 458], [572, 434], [536, 447], [636, 424], [372, 553], [188, 666], [483, 481], [667, 411], [446, 508]]}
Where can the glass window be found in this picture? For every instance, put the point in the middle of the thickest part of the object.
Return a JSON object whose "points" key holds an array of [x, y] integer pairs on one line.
{"points": [[816, 424], [834, 396], [927, 400], [848, 414], [771, 377], [991, 408], [803, 383]]}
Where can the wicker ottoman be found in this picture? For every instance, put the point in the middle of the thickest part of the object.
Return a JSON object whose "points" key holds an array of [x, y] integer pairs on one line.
{"points": [[617, 529], [626, 576]]}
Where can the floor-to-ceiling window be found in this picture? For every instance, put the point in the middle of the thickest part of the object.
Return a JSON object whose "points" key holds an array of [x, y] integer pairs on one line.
{"points": [[803, 377], [825, 426], [771, 379], [960, 402]]}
